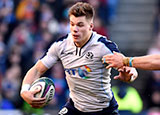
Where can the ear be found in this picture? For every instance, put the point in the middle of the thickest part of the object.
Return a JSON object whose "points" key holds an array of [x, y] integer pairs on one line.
{"points": [[91, 26]]}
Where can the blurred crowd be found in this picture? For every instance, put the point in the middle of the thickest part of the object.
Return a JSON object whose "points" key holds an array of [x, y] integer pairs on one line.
{"points": [[27, 29], [149, 102], [152, 88]]}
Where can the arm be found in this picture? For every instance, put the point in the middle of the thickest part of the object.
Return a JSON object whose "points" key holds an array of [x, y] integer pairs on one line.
{"points": [[35, 72], [148, 62]]}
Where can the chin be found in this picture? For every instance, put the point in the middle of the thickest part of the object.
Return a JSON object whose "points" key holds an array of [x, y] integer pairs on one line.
{"points": [[76, 41]]}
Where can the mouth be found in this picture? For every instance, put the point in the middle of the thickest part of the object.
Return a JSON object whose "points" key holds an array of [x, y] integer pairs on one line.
{"points": [[75, 36]]}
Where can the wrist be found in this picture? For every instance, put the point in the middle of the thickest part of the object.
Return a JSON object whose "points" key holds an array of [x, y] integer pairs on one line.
{"points": [[25, 87], [128, 61]]}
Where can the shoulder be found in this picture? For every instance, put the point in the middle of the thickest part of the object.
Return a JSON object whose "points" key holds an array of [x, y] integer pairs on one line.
{"points": [[61, 41], [58, 44], [103, 40], [62, 38]]}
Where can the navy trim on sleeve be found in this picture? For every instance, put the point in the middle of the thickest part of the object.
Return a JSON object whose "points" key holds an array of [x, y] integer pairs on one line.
{"points": [[111, 45], [62, 38], [59, 39]]}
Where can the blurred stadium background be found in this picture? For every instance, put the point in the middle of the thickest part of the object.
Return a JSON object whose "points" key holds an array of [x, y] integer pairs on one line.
{"points": [[29, 27]]}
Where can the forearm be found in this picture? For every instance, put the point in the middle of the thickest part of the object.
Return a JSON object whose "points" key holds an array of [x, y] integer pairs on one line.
{"points": [[149, 62], [35, 72], [31, 76]]}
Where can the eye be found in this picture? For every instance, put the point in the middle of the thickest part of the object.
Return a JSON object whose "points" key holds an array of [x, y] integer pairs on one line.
{"points": [[80, 25], [71, 24]]}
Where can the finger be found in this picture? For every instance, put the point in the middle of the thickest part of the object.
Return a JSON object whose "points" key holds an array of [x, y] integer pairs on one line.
{"points": [[109, 66], [109, 61], [124, 69], [131, 74], [133, 70], [116, 77], [116, 53], [38, 103], [37, 106], [132, 78], [134, 74], [39, 99], [127, 71], [121, 69], [35, 91], [104, 60], [34, 101]]}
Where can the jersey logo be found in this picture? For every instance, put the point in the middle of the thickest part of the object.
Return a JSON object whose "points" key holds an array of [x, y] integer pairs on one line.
{"points": [[89, 55], [66, 53], [82, 71]]}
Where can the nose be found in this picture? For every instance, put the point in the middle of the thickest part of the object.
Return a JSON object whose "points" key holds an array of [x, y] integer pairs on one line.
{"points": [[75, 29]]}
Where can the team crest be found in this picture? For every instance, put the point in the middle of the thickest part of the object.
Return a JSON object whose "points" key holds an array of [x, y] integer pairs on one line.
{"points": [[89, 55]]}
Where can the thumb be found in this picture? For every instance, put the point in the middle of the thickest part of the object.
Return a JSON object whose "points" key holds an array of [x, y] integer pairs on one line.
{"points": [[115, 53], [121, 69], [36, 90], [109, 66], [116, 77]]}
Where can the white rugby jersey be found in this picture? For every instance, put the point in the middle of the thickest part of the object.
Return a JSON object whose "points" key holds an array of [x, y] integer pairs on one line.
{"points": [[87, 77]]}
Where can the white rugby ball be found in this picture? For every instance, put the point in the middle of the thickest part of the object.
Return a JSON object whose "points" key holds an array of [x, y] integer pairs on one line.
{"points": [[46, 86]]}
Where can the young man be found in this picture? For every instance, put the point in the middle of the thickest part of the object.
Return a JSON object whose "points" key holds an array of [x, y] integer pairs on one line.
{"points": [[118, 60], [81, 53]]}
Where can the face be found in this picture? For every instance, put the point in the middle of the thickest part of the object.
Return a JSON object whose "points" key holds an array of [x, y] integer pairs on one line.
{"points": [[80, 29]]}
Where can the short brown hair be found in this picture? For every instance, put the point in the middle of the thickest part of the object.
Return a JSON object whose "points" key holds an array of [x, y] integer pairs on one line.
{"points": [[82, 9]]}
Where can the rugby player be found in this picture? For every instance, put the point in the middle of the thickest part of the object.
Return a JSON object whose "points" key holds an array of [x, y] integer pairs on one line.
{"points": [[80, 52]]}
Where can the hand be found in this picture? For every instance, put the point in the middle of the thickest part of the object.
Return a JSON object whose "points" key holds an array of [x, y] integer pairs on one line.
{"points": [[127, 74], [35, 102], [114, 60]]}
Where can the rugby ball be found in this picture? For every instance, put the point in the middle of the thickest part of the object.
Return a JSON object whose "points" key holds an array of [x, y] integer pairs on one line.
{"points": [[46, 86]]}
